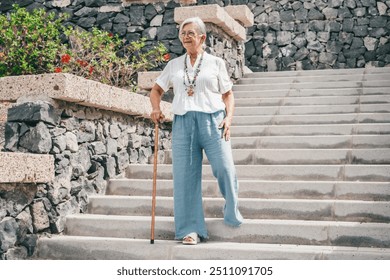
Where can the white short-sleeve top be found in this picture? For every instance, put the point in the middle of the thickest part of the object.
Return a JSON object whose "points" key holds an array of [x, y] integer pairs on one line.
{"points": [[212, 81]]}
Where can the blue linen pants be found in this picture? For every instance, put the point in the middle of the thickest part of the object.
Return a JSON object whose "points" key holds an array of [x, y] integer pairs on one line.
{"points": [[191, 134]]}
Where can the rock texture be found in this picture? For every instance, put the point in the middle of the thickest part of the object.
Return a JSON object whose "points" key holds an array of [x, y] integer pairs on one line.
{"points": [[89, 147], [286, 35]]}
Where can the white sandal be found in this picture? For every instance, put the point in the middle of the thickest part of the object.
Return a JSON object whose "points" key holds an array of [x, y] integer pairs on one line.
{"points": [[191, 239]]}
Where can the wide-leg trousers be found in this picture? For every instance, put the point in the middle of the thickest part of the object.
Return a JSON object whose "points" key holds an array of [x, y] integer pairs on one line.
{"points": [[191, 134]]}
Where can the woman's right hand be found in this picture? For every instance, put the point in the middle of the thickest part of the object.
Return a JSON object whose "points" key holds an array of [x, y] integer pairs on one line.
{"points": [[157, 116]]}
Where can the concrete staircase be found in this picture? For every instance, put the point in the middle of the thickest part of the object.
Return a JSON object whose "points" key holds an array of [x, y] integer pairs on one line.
{"points": [[312, 152]]}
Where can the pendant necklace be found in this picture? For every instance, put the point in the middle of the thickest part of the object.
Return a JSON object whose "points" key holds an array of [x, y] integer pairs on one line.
{"points": [[190, 88]]}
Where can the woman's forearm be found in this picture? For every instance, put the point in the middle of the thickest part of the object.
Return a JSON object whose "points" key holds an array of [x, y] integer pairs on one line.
{"points": [[228, 99]]}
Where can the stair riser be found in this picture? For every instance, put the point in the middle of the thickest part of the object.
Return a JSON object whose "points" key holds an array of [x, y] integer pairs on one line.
{"points": [[310, 156], [307, 142], [302, 110], [262, 232], [307, 130], [380, 173], [294, 92], [252, 209], [312, 119], [342, 100], [325, 72], [312, 79], [264, 189], [313, 85], [85, 248]]}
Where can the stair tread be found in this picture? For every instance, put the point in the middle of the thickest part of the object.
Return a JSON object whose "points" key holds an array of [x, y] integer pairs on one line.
{"points": [[98, 247], [101, 217]]}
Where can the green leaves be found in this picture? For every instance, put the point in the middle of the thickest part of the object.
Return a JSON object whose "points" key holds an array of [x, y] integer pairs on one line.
{"points": [[29, 42]]}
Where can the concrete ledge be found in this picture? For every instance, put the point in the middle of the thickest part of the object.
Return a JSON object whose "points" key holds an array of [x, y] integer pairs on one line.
{"points": [[26, 168], [212, 14], [146, 80], [75, 89], [127, 3], [241, 13]]}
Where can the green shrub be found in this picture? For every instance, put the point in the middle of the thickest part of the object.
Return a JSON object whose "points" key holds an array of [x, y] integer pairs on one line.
{"points": [[101, 56], [29, 42]]}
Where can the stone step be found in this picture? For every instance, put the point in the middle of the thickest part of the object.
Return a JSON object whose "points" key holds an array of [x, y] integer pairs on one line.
{"points": [[303, 156], [312, 142], [314, 100], [319, 129], [377, 191], [325, 72], [321, 78], [314, 85], [312, 119], [312, 109], [251, 231], [300, 93], [106, 248], [349, 172], [250, 208]]}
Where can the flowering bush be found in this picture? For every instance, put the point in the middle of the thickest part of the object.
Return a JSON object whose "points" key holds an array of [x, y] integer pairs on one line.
{"points": [[29, 42], [101, 56]]}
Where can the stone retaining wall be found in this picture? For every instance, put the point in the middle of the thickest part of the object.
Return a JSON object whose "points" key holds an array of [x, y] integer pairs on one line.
{"points": [[287, 35], [84, 127]]}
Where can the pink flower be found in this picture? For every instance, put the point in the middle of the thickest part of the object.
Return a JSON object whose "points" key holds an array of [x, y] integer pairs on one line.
{"points": [[166, 57], [57, 70]]}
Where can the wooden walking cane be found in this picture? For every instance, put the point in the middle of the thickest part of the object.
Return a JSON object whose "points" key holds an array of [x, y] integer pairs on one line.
{"points": [[154, 183]]}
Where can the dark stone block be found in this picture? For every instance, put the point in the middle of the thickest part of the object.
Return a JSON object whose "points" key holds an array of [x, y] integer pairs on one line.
{"points": [[95, 3], [384, 49], [378, 32], [137, 15], [301, 14], [360, 31], [169, 17], [354, 53], [370, 55], [348, 25], [150, 12], [376, 22], [317, 25], [287, 16], [333, 26], [249, 49], [119, 28], [315, 14], [168, 31], [37, 139], [86, 22], [33, 112], [11, 135], [357, 43], [334, 47], [344, 12], [130, 37]]}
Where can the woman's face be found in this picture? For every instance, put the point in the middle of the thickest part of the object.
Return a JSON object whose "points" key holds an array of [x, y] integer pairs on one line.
{"points": [[190, 37]]}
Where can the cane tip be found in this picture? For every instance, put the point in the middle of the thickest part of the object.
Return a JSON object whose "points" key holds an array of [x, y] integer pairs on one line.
{"points": [[152, 241]]}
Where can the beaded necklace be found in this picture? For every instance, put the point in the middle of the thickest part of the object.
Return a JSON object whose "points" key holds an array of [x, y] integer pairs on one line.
{"points": [[191, 84]]}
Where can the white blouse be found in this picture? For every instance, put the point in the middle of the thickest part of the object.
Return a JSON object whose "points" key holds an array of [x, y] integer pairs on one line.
{"points": [[212, 81]]}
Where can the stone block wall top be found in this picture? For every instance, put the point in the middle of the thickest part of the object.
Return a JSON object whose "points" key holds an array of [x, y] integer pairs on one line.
{"points": [[212, 14], [146, 80], [241, 13], [181, 2], [26, 168], [75, 89]]}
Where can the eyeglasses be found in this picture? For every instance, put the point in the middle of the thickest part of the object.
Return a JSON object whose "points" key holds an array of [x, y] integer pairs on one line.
{"points": [[190, 34]]}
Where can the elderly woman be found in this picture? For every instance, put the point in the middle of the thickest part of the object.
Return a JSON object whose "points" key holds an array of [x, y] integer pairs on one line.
{"points": [[203, 108]]}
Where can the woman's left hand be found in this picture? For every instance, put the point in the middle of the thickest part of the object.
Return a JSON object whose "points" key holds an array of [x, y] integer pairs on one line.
{"points": [[225, 124]]}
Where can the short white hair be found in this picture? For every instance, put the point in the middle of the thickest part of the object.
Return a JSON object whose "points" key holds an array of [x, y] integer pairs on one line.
{"points": [[197, 21]]}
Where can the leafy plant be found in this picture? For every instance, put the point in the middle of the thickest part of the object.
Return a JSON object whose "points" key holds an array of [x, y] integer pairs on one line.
{"points": [[29, 42], [101, 56]]}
